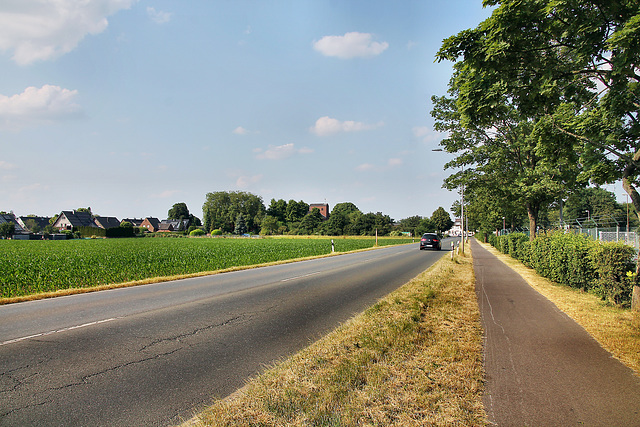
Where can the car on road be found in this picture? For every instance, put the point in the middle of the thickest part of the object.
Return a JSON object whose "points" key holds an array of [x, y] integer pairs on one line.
{"points": [[430, 241]]}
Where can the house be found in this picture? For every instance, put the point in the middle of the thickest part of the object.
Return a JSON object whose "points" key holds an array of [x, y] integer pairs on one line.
{"points": [[322, 207], [106, 222], [151, 224], [178, 224], [11, 219], [33, 223], [165, 227], [134, 221], [456, 230], [70, 219]]}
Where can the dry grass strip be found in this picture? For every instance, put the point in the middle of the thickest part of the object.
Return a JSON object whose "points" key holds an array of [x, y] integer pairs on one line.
{"points": [[617, 330], [413, 359]]}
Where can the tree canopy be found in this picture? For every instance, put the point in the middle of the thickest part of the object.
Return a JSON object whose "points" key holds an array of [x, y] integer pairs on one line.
{"points": [[556, 79]]}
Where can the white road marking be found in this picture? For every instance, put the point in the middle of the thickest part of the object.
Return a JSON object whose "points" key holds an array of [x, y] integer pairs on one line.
{"points": [[300, 277], [70, 328]]}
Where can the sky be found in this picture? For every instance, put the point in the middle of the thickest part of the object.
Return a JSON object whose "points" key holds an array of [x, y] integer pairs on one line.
{"points": [[129, 107]]}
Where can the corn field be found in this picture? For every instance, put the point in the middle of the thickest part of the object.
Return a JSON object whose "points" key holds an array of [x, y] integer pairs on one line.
{"points": [[30, 267]]}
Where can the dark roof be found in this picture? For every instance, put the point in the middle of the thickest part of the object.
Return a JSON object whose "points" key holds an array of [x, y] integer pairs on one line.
{"points": [[79, 219], [166, 226], [134, 221], [10, 218], [155, 222], [41, 221], [107, 222], [178, 224]]}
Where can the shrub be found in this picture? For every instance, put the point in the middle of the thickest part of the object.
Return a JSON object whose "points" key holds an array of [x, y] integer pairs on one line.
{"points": [[197, 232], [604, 269], [613, 263], [217, 232]]}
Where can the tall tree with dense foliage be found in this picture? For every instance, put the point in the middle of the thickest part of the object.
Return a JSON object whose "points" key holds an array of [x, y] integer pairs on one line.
{"points": [[573, 64], [221, 210], [178, 211], [441, 219], [517, 156]]}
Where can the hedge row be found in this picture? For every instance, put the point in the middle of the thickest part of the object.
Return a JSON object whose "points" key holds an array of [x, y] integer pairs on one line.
{"points": [[604, 269], [109, 232]]}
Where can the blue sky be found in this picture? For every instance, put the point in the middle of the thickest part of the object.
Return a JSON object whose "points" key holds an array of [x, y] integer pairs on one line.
{"points": [[131, 106]]}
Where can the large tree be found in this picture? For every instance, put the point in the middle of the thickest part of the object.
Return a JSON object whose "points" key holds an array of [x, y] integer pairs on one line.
{"points": [[520, 157], [178, 211], [441, 219], [576, 62], [221, 210]]}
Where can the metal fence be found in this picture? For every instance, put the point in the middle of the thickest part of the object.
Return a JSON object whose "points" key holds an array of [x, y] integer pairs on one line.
{"points": [[604, 228]]}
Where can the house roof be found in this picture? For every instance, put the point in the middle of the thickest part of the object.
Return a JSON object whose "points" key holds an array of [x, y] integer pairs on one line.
{"points": [[78, 219], [10, 218], [107, 222], [178, 224], [166, 226], [134, 221], [41, 221]]}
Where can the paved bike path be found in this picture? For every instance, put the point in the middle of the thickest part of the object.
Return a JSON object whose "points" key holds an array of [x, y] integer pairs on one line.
{"points": [[542, 368]]}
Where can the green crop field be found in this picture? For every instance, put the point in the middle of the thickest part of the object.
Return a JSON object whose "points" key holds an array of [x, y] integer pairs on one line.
{"points": [[32, 267]]}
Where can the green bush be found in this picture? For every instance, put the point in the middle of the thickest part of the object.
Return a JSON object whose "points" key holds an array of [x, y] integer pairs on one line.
{"points": [[197, 232], [613, 263], [604, 269]]}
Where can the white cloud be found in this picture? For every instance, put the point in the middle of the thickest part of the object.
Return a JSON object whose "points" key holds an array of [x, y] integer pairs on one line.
{"points": [[37, 30], [281, 152], [428, 135], [6, 166], [328, 126], [158, 16], [351, 45], [38, 105], [365, 167], [245, 181], [391, 163], [240, 131]]}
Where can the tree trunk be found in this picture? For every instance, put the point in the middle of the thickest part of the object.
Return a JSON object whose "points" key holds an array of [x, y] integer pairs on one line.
{"points": [[628, 186], [532, 210]]}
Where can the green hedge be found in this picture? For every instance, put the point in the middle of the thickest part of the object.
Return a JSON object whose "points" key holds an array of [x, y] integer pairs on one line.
{"points": [[604, 269], [109, 232]]}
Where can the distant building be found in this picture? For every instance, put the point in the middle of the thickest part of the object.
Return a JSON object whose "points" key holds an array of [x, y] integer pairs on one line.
{"points": [[456, 230], [151, 224], [11, 219], [134, 221], [107, 222], [177, 224], [322, 207], [28, 222], [70, 219]]}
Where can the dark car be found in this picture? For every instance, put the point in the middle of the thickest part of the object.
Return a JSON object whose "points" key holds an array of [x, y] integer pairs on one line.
{"points": [[430, 241]]}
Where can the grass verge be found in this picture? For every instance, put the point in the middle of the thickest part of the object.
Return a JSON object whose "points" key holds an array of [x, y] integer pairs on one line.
{"points": [[414, 358], [617, 330]]}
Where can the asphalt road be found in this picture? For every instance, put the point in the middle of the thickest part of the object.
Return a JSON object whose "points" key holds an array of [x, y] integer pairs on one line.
{"points": [[155, 354], [542, 368]]}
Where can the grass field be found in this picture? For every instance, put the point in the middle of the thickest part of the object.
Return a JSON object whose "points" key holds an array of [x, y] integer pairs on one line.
{"points": [[36, 267]]}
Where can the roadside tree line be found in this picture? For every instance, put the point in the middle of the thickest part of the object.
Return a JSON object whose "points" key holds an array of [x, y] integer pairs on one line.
{"points": [[241, 212], [543, 102]]}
